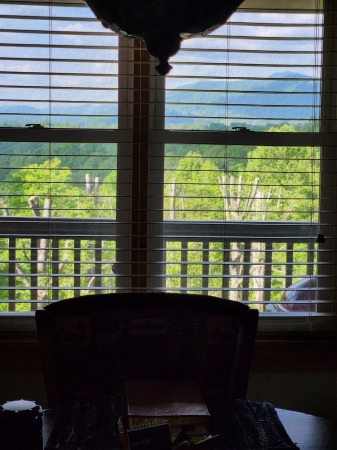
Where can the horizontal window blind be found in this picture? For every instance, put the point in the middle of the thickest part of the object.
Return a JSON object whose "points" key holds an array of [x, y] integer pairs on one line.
{"points": [[219, 178], [245, 211], [59, 149], [58, 67], [260, 70]]}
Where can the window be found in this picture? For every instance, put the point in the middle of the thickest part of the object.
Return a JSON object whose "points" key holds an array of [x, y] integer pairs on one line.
{"points": [[219, 178]]}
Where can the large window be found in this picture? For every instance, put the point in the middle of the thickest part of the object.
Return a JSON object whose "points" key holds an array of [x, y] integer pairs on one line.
{"points": [[218, 179]]}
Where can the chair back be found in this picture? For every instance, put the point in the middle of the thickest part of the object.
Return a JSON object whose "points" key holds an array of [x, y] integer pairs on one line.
{"points": [[91, 344]]}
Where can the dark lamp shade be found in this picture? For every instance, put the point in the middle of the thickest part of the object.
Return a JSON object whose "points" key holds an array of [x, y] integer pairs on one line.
{"points": [[21, 425], [163, 24]]}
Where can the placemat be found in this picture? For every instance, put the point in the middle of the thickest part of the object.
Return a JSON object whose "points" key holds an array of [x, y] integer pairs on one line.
{"points": [[91, 424], [248, 425], [87, 424]]}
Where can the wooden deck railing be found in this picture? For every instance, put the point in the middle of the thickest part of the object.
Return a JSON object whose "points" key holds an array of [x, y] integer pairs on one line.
{"points": [[43, 260]]}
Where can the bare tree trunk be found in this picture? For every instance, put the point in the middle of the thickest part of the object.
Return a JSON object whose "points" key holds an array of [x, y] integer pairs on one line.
{"points": [[61, 265], [87, 184], [232, 199], [232, 194], [43, 243], [21, 273], [254, 193], [223, 189], [34, 203], [4, 207], [257, 271], [42, 253], [96, 188], [172, 200], [235, 270]]}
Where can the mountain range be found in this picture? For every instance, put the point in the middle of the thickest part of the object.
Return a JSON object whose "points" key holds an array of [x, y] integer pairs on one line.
{"points": [[283, 96]]}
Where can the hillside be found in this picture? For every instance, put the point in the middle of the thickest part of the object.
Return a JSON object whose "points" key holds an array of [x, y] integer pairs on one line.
{"points": [[284, 96]]}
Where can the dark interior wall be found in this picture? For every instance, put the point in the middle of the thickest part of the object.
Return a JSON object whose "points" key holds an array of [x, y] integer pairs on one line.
{"points": [[299, 376], [312, 393]]}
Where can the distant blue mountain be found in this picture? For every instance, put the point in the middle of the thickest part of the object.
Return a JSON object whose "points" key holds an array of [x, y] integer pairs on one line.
{"points": [[83, 115], [284, 96]]}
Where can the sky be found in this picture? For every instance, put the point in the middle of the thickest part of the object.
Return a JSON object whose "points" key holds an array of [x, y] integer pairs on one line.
{"points": [[236, 50]]}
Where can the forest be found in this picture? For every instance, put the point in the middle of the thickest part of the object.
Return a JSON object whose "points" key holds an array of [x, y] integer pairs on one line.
{"points": [[201, 183]]}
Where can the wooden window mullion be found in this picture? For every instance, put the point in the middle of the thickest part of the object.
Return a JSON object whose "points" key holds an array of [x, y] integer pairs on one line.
{"points": [[141, 120]]}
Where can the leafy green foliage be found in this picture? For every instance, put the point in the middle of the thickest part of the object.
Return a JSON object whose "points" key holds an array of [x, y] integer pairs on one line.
{"points": [[289, 176], [202, 183]]}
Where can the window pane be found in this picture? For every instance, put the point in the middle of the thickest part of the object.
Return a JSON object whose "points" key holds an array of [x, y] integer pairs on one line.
{"points": [[259, 70], [58, 68], [36, 268], [241, 222], [58, 232], [241, 183], [76, 180]]}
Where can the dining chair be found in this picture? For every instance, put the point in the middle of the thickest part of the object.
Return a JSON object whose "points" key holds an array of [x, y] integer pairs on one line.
{"points": [[90, 345]]}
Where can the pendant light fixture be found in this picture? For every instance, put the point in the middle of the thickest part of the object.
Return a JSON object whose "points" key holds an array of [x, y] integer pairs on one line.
{"points": [[163, 24]]}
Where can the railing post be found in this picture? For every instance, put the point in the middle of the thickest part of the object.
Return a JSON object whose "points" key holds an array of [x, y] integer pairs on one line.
{"points": [[12, 272], [55, 281], [77, 267], [225, 268], [98, 266], [205, 267], [34, 278]]}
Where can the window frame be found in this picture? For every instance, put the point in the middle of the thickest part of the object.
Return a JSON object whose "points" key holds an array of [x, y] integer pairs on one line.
{"points": [[127, 139]]}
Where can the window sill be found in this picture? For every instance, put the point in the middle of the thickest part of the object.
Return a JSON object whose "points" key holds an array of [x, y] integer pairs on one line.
{"points": [[293, 350], [294, 324]]}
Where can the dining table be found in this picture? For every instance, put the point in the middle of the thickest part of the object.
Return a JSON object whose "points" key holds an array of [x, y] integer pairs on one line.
{"points": [[308, 432]]}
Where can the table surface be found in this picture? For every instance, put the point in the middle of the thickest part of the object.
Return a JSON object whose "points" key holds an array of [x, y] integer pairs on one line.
{"points": [[309, 432], [306, 431]]}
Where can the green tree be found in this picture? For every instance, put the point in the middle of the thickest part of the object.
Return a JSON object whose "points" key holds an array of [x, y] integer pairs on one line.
{"points": [[48, 180], [32, 188], [192, 191], [289, 176]]}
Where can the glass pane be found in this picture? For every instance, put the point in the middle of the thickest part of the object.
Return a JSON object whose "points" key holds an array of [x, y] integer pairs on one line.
{"points": [[76, 180], [58, 69], [258, 71], [241, 222], [241, 183]]}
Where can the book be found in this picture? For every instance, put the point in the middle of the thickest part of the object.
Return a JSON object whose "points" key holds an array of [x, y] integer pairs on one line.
{"points": [[149, 437], [188, 433], [177, 402]]}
